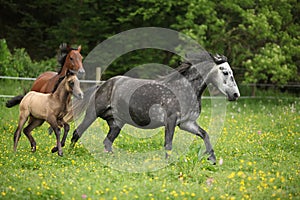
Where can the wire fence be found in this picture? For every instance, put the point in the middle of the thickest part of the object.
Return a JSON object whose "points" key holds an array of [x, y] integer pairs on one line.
{"points": [[251, 88]]}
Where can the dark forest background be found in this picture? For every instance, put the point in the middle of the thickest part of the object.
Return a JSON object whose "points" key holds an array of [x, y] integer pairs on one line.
{"points": [[260, 37]]}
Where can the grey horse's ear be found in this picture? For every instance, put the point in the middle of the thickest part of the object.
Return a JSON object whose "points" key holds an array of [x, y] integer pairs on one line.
{"points": [[219, 59]]}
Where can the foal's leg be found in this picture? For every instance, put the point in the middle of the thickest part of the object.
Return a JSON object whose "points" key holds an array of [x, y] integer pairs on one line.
{"points": [[54, 124], [33, 123], [194, 128], [58, 144], [22, 120], [63, 140], [66, 131], [112, 134]]}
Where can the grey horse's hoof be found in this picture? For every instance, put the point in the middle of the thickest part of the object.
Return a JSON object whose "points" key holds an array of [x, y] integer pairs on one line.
{"points": [[212, 159], [33, 149], [108, 150]]}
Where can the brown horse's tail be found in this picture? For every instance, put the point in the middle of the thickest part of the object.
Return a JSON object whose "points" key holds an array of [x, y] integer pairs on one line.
{"points": [[14, 101]]}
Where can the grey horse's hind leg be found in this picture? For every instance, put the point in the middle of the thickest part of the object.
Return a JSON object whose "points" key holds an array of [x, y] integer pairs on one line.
{"points": [[113, 133], [169, 133], [194, 128]]}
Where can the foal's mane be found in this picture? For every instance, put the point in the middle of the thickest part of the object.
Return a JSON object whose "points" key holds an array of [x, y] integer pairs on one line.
{"points": [[69, 73], [57, 83]]}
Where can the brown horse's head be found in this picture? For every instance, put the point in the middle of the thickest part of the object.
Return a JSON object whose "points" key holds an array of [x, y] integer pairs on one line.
{"points": [[73, 61], [73, 85]]}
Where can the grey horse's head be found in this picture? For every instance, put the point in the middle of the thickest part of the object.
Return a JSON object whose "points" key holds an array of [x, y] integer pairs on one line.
{"points": [[221, 76]]}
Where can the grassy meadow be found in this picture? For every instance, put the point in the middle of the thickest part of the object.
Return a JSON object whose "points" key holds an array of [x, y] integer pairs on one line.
{"points": [[258, 157]]}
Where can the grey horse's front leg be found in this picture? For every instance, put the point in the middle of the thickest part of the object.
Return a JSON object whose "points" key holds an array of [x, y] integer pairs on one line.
{"points": [[89, 118], [194, 128]]}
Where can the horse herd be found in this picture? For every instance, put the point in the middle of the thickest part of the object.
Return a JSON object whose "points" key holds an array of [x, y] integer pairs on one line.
{"points": [[171, 100]]}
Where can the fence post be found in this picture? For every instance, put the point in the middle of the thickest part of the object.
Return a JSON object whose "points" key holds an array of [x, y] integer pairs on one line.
{"points": [[253, 93], [98, 74]]}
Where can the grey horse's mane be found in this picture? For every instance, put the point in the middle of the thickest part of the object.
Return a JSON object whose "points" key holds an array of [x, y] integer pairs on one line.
{"points": [[195, 59]]}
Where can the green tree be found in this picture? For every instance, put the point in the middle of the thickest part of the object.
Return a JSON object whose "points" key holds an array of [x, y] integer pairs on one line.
{"points": [[20, 64], [248, 32], [273, 66], [5, 60]]}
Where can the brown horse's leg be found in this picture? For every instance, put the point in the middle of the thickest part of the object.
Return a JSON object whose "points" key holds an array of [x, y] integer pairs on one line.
{"points": [[66, 130], [22, 120], [33, 123]]}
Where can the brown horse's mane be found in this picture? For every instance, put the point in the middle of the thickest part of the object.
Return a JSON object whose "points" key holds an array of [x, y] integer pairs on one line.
{"points": [[63, 52]]}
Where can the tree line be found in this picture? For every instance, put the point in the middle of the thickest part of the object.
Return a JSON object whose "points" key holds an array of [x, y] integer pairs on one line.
{"points": [[260, 37]]}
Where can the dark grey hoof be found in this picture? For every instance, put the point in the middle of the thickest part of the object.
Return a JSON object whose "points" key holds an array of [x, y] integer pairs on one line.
{"points": [[54, 149], [168, 154], [212, 159], [108, 151]]}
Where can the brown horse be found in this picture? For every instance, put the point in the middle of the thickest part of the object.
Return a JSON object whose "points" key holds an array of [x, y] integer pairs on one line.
{"points": [[48, 107], [45, 83]]}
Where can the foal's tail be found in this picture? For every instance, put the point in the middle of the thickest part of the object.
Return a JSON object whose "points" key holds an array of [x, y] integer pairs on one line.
{"points": [[14, 101], [80, 105]]}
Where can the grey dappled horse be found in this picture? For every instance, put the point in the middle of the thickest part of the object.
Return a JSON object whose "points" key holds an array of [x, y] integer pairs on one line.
{"points": [[169, 101]]}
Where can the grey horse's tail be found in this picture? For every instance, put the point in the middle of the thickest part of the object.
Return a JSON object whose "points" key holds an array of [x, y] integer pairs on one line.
{"points": [[14, 101], [80, 105]]}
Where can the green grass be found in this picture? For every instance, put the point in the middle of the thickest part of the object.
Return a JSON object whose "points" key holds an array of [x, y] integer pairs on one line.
{"points": [[257, 152]]}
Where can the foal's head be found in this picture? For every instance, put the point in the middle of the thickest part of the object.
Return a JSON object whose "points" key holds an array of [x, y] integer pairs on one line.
{"points": [[72, 85], [73, 61], [222, 77]]}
